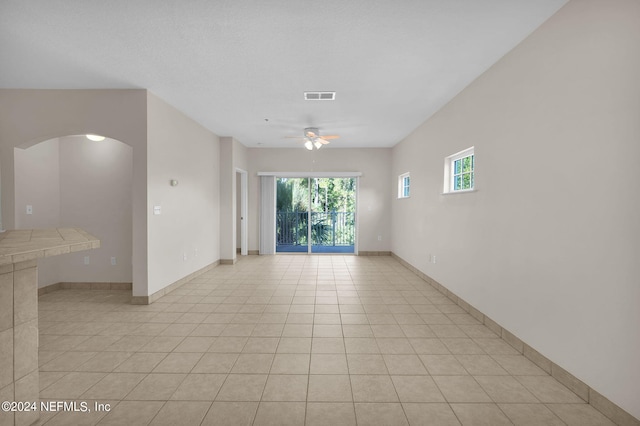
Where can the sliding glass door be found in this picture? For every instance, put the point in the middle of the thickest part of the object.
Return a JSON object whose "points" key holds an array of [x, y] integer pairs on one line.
{"points": [[315, 215]]}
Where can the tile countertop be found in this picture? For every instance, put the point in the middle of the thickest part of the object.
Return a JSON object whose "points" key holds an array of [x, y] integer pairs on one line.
{"points": [[28, 244]]}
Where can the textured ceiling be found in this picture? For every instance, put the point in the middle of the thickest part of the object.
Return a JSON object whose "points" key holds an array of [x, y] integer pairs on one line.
{"points": [[232, 64]]}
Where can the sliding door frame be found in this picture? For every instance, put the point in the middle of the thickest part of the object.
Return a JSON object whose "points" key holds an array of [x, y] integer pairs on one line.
{"points": [[312, 175]]}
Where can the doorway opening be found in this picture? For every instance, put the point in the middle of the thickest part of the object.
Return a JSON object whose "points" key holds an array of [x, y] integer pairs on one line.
{"points": [[316, 215]]}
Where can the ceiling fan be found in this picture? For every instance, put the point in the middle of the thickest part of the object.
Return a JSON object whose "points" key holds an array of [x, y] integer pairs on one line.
{"points": [[312, 138]]}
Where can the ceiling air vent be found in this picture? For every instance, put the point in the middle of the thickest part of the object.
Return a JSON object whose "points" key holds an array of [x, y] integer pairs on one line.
{"points": [[319, 96]]}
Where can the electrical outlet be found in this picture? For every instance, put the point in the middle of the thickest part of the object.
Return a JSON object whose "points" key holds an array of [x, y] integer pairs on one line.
{"points": [[86, 260], [113, 261], [379, 237], [184, 256], [196, 252], [29, 209], [433, 258]]}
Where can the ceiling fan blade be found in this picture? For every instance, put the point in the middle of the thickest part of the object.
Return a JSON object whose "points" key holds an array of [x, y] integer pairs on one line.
{"points": [[329, 137], [323, 142]]}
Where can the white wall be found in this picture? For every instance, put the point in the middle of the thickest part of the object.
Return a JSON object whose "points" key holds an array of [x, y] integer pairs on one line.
{"points": [[549, 244], [37, 183], [95, 195], [28, 117], [179, 148], [374, 215], [73, 182]]}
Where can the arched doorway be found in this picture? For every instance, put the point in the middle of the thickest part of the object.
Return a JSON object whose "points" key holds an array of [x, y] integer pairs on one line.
{"points": [[73, 181]]}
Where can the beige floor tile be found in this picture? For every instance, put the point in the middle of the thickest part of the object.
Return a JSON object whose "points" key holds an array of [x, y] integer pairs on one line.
{"points": [[161, 344], [297, 330], [417, 389], [194, 344], [242, 387], [518, 365], [156, 387], [238, 330], [461, 389], [382, 320], [104, 362], [478, 331], [261, 345], [328, 364], [178, 363], [357, 330], [294, 345], [366, 364], [181, 413], [443, 365], [530, 415], [68, 362], [548, 389], [286, 387], [370, 388], [480, 415], [481, 365], [226, 344], [394, 346], [208, 330], [429, 346], [253, 364], [72, 385], [215, 363], [47, 378], [132, 413], [140, 362], [380, 414], [330, 413], [199, 387], [268, 330], [114, 386], [327, 330], [361, 345], [327, 345], [231, 414], [430, 414], [447, 331], [462, 346], [238, 338], [579, 415], [387, 330], [404, 364], [495, 346], [505, 389], [421, 331], [290, 364], [306, 318], [96, 343], [329, 388], [178, 330], [280, 414]]}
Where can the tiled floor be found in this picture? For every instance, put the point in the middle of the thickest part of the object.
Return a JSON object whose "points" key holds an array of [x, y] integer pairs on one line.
{"points": [[291, 340]]}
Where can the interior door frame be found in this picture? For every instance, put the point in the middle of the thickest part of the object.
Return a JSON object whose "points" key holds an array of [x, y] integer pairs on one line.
{"points": [[244, 211]]}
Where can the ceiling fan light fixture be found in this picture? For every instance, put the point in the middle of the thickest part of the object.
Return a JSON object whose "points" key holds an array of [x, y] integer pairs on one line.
{"points": [[318, 144], [309, 145]]}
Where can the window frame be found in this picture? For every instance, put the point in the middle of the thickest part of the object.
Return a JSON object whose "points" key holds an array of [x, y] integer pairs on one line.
{"points": [[401, 185], [450, 175]]}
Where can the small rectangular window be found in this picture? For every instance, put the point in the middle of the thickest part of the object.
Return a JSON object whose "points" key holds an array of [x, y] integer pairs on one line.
{"points": [[459, 172], [404, 183]]}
